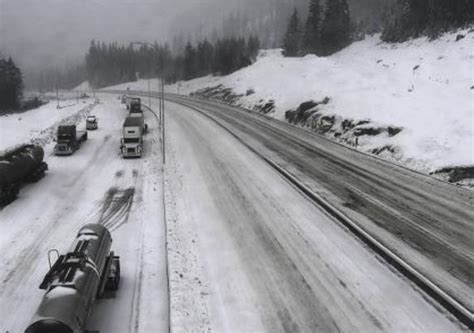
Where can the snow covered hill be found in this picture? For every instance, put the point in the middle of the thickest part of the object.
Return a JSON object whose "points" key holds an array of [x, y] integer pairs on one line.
{"points": [[412, 103]]}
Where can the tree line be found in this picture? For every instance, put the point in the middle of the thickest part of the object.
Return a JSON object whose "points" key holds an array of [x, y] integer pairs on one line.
{"points": [[328, 27], [414, 18], [109, 64], [50, 78]]}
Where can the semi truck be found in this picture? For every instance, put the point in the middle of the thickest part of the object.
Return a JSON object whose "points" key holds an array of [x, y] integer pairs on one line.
{"points": [[68, 139], [20, 165], [136, 111], [134, 103], [88, 271], [132, 137]]}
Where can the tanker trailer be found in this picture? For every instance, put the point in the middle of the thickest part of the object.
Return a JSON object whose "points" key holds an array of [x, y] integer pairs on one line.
{"points": [[74, 282], [23, 164]]}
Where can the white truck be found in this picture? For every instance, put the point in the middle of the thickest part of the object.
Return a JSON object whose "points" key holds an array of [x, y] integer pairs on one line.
{"points": [[133, 103], [91, 123], [132, 137], [138, 113]]}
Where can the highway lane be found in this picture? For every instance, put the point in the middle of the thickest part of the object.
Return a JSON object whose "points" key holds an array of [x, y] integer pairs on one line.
{"points": [[249, 252], [427, 222], [94, 185]]}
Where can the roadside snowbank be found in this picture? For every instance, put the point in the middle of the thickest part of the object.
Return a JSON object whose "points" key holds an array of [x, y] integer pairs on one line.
{"points": [[39, 125], [423, 88]]}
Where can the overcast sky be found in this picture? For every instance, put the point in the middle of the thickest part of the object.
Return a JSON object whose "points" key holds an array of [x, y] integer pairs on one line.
{"points": [[57, 31], [39, 33]]}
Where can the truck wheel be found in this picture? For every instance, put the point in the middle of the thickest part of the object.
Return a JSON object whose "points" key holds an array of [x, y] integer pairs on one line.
{"points": [[113, 280]]}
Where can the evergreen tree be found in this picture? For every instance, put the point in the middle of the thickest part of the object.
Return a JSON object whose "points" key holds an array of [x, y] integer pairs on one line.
{"points": [[11, 85], [253, 46], [190, 68], [312, 33], [292, 39], [205, 57], [336, 27]]}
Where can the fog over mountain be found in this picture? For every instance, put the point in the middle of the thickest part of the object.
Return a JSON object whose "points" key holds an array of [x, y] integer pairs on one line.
{"points": [[57, 32], [51, 31]]}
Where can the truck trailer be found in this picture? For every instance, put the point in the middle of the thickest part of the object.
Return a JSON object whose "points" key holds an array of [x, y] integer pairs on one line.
{"points": [[134, 103], [68, 140], [20, 165], [132, 137]]}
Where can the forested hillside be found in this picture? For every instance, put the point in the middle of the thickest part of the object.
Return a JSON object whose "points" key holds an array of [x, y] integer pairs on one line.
{"points": [[413, 18], [108, 64]]}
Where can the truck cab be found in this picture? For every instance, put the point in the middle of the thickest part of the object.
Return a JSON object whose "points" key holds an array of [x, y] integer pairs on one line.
{"points": [[68, 139], [91, 123], [132, 137], [134, 103]]}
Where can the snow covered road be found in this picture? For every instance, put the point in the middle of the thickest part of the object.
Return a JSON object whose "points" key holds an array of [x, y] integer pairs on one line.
{"points": [[248, 252], [93, 185], [426, 222]]}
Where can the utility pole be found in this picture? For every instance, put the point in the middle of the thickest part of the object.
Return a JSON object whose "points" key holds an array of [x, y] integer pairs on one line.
{"points": [[161, 93], [57, 96], [149, 92], [163, 111], [159, 102]]}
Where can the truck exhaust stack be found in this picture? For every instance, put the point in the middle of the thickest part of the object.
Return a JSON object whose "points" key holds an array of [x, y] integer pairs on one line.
{"points": [[75, 281]]}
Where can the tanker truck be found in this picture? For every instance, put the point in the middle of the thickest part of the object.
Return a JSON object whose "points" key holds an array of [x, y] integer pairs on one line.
{"points": [[87, 272], [18, 166]]}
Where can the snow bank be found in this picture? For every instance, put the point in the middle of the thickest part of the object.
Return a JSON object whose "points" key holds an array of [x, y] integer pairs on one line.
{"points": [[38, 125], [425, 88]]}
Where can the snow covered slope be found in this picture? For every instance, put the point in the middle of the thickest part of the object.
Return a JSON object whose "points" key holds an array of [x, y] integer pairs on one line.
{"points": [[423, 88]]}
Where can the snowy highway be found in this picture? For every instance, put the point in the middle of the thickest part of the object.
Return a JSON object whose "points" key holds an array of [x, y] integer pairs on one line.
{"points": [[428, 223], [241, 247], [248, 252], [95, 185]]}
